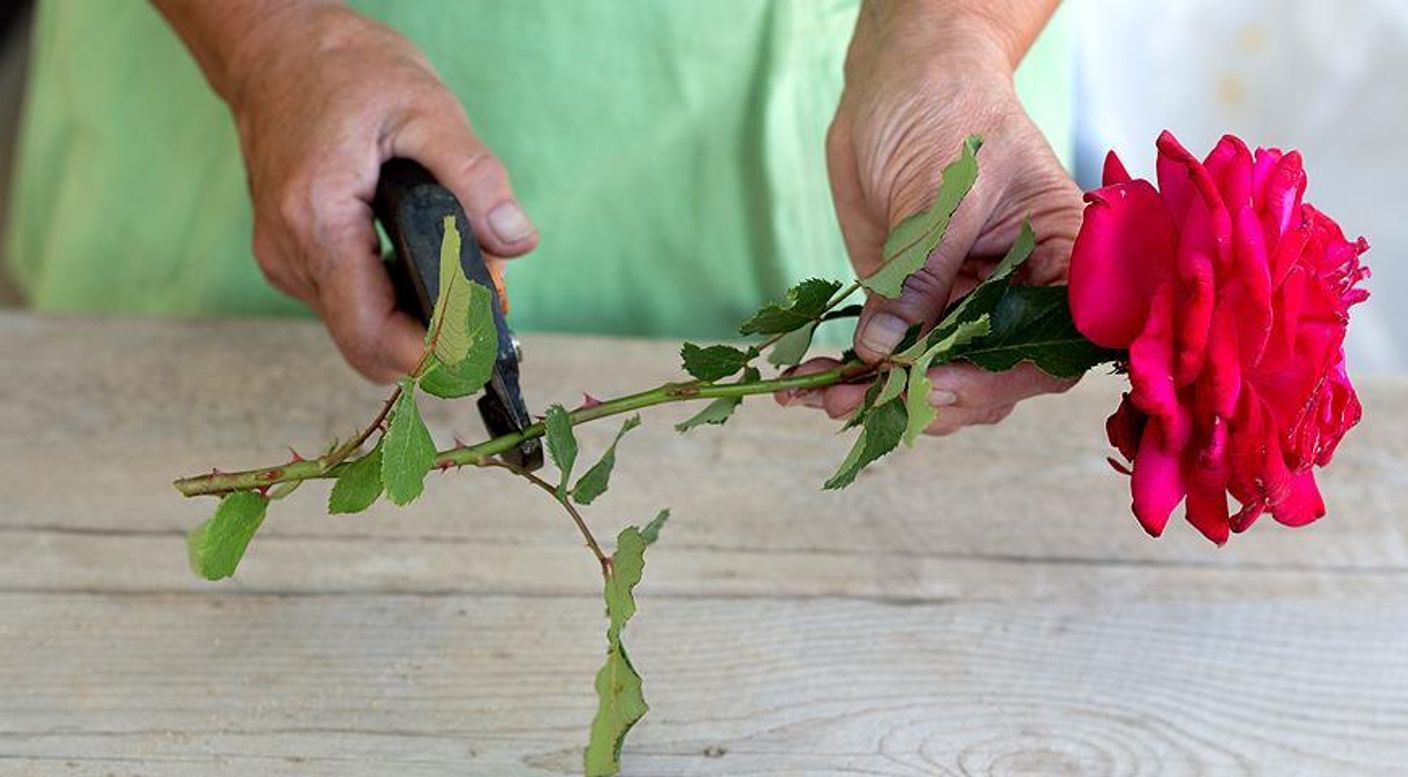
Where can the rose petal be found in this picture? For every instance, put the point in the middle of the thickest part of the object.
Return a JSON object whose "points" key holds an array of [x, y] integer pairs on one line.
{"points": [[1126, 427], [1114, 170], [1254, 273], [1123, 252], [1151, 361], [1280, 206], [1206, 508], [1175, 175], [1157, 482], [1221, 383], [1230, 165], [1302, 504]]}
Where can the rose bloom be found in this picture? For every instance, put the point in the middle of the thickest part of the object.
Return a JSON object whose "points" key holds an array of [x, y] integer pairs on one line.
{"points": [[1231, 296]]}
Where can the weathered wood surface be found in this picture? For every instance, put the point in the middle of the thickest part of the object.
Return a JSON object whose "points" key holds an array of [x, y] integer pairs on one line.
{"points": [[981, 605]]}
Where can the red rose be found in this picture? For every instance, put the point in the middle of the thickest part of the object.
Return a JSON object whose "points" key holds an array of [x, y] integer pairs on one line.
{"points": [[1232, 297]]}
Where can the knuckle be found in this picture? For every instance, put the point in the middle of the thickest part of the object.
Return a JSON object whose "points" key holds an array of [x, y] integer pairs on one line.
{"points": [[483, 170], [929, 283], [291, 203]]}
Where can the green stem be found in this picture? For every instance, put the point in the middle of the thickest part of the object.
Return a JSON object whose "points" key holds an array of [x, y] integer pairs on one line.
{"points": [[216, 483]]}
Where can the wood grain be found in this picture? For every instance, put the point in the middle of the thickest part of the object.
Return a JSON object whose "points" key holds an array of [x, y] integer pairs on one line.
{"points": [[1018, 623]]}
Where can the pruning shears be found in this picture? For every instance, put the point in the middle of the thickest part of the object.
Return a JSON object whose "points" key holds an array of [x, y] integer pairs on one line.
{"points": [[411, 206]]}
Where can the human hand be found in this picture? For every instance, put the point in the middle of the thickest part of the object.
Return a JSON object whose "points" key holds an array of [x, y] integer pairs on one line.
{"points": [[322, 97], [916, 86]]}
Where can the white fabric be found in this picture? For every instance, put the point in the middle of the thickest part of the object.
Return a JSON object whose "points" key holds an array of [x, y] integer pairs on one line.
{"points": [[1327, 77]]}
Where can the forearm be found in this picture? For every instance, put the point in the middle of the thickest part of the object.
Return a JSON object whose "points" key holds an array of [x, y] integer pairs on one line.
{"points": [[996, 32], [222, 36]]}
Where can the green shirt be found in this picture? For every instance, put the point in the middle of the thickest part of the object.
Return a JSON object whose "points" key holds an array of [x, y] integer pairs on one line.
{"points": [[670, 153]]}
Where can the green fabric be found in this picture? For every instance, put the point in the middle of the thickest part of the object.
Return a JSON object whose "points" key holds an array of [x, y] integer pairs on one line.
{"points": [[671, 154]]}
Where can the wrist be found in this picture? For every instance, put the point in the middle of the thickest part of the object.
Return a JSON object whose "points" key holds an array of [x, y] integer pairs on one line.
{"points": [[230, 40], [990, 35]]}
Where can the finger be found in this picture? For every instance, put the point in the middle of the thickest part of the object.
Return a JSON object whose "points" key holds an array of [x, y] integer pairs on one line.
{"points": [[358, 305], [952, 419], [969, 387], [884, 322], [811, 366], [448, 147], [277, 259]]}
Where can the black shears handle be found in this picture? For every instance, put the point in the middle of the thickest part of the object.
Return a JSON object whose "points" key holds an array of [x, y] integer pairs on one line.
{"points": [[411, 206]]}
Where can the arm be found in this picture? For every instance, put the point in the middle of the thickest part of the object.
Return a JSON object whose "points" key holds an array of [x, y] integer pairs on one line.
{"points": [[322, 96]]}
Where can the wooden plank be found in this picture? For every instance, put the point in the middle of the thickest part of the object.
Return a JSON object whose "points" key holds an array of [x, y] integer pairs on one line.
{"points": [[119, 415], [374, 685], [53, 561], [980, 605]]}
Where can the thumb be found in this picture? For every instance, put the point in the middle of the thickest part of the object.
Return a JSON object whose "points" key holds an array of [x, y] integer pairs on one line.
{"points": [[884, 321], [448, 147]]}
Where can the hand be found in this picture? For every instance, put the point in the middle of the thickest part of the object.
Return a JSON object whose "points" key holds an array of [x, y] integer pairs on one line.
{"points": [[322, 97], [914, 89]]}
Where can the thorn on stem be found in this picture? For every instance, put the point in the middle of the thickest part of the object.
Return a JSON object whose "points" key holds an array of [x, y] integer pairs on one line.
{"points": [[296, 455], [588, 401]]}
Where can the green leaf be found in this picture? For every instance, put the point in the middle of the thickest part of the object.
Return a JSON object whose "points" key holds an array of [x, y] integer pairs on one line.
{"points": [[803, 305], [894, 384], [359, 484], [651, 532], [716, 412], [921, 413], [1033, 323], [721, 409], [562, 445], [473, 371], [791, 347], [910, 243], [448, 331], [981, 300], [217, 545], [880, 433], [594, 483], [867, 403], [620, 699], [716, 361], [408, 452]]}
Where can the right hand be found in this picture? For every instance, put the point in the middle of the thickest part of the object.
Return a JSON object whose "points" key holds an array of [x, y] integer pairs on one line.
{"points": [[322, 97]]}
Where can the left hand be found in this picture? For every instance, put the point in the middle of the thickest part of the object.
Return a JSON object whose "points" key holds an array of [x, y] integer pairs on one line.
{"points": [[916, 86]]}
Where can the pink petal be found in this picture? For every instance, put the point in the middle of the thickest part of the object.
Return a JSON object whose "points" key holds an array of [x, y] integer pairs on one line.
{"points": [[1175, 175], [1263, 165], [1254, 274], [1123, 252], [1221, 382], [1195, 305], [1302, 504], [1151, 360], [1230, 165], [1126, 427], [1114, 170], [1280, 206], [1206, 508], [1157, 483]]}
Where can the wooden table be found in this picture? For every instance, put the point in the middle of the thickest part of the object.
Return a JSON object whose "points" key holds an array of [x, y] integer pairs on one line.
{"points": [[984, 604]]}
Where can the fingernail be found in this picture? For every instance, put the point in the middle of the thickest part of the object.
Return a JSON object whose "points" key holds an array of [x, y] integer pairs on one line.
{"points": [[942, 398], [510, 223], [883, 332]]}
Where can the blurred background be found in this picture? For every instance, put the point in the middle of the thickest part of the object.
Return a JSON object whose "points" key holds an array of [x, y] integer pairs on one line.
{"points": [[1330, 79]]}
